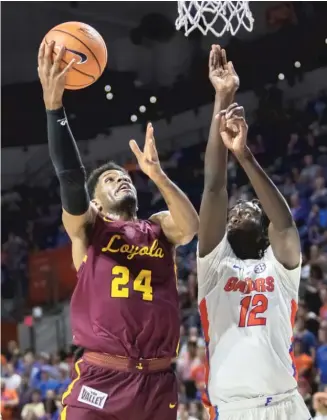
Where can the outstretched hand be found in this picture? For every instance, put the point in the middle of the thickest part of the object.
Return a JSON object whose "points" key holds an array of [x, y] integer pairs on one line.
{"points": [[52, 75], [222, 73], [233, 129], [148, 160]]}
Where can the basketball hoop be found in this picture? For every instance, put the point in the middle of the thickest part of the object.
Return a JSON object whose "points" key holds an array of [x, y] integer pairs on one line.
{"points": [[207, 15]]}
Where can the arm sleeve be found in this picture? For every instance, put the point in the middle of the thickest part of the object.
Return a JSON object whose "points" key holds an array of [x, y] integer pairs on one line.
{"points": [[67, 163]]}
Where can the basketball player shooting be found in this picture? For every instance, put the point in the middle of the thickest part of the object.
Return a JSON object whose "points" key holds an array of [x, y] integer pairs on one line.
{"points": [[248, 274], [125, 308]]}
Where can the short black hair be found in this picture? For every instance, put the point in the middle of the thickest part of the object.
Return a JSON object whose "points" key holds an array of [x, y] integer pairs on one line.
{"points": [[96, 173], [262, 243]]}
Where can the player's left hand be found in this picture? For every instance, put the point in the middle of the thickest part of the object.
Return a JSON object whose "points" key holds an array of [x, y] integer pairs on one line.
{"points": [[148, 160], [233, 129]]}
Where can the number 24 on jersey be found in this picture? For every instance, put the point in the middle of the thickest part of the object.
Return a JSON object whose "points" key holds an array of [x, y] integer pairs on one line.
{"points": [[122, 278]]}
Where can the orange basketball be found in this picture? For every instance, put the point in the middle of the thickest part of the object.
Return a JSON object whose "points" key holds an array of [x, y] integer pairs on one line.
{"points": [[86, 45]]}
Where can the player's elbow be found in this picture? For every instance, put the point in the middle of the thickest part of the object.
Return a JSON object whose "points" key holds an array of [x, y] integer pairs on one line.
{"points": [[192, 229]]}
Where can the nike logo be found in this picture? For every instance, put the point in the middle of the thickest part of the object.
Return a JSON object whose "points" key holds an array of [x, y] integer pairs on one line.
{"points": [[63, 121], [236, 266], [83, 57], [172, 405]]}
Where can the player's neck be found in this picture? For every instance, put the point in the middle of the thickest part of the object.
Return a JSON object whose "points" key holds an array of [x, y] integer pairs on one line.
{"points": [[125, 216]]}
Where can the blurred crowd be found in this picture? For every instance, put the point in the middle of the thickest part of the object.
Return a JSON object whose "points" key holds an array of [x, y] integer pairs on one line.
{"points": [[290, 141]]}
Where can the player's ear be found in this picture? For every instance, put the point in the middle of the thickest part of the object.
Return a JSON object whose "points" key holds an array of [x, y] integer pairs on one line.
{"points": [[96, 203]]}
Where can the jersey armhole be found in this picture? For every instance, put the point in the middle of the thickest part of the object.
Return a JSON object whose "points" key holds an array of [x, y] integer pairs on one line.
{"points": [[292, 276], [209, 271], [222, 249]]}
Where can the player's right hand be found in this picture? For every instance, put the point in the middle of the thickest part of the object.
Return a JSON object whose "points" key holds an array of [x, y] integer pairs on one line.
{"points": [[52, 75], [233, 129], [222, 73]]}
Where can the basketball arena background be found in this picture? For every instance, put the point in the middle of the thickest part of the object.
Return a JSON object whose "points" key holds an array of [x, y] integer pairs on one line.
{"points": [[155, 74]]}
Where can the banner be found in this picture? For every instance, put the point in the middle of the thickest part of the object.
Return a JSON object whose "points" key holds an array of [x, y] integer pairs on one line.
{"points": [[52, 276]]}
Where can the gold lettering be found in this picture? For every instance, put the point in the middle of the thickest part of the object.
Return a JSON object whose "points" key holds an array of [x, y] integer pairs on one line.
{"points": [[125, 249], [110, 243], [132, 250], [144, 250]]}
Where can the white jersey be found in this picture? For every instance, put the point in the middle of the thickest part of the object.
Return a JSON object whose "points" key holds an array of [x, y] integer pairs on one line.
{"points": [[247, 311]]}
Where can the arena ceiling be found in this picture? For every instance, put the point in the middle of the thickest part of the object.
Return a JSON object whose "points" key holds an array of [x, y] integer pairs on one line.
{"points": [[24, 24]]}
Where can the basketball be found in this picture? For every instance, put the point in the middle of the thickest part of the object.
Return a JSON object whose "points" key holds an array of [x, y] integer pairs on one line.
{"points": [[84, 44]]}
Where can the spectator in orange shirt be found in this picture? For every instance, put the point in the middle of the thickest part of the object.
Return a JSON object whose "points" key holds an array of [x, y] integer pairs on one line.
{"points": [[198, 371], [303, 362], [9, 401], [323, 297]]}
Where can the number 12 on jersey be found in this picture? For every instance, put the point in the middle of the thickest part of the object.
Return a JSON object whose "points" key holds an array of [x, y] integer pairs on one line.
{"points": [[251, 306]]}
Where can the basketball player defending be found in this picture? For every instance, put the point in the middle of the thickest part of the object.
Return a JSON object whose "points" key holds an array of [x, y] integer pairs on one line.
{"points": [[248, 276], [125, 309]]}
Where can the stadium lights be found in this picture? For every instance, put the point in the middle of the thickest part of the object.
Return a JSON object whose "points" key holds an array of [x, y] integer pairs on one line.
{"points": [[107, 88], [281, 76], [153, 99], [297, 64], [142, 109], [109, 96], [133, 118]]}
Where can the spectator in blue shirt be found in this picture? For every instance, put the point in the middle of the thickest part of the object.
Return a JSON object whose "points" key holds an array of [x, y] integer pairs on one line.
{"points": [[306, 337], [46, 383], [321, 357]]}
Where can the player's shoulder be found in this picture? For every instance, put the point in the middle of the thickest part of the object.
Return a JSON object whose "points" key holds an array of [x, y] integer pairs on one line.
{"points": [[288, 278]]}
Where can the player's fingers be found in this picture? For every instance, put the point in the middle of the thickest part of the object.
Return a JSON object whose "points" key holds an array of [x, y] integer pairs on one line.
{"points": [[226, 138], [47, 58], [239, 122], [220, 116], [49, 50], [57, 60], [68, 67], [149, 133], [40, 55], [230, 109], [237, 111], [211, 60], [135, 149], [153, 150], [218, 62], [230, 68], [224, 59]]}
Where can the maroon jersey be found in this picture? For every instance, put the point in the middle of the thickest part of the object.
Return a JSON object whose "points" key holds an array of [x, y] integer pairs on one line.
{"points": [[125, 302]]}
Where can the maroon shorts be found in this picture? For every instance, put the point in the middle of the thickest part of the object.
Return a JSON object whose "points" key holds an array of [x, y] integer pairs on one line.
{"points": [[100, 393]]}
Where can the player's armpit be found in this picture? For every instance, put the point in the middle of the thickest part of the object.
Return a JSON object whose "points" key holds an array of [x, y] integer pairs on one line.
{"points": [[77, 228], [286, 246], [213, 216], [170, 229]]}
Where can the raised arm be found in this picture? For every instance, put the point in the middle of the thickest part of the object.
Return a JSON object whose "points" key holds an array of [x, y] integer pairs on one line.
{"points": [[64, 154], [213, 211], [283, 234], [181, 222]]}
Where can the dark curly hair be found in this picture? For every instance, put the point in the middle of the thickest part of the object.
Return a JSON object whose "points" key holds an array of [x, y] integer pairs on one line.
{"points": [[246, 245], [96, 173]]}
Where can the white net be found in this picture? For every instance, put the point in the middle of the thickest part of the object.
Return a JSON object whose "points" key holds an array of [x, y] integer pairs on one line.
{"points": [[217, 17]]}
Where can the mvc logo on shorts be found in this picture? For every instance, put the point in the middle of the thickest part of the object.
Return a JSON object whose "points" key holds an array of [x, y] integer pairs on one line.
{"points": [[260, 268], [92, 397]]}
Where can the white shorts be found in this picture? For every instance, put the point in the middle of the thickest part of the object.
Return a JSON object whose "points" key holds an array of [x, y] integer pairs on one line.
{"points": [[289, 406]]}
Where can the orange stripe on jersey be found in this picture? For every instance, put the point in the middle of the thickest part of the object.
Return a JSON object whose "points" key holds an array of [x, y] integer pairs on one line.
{"points": [[212, 413], [205, 326], [293, 314]]}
